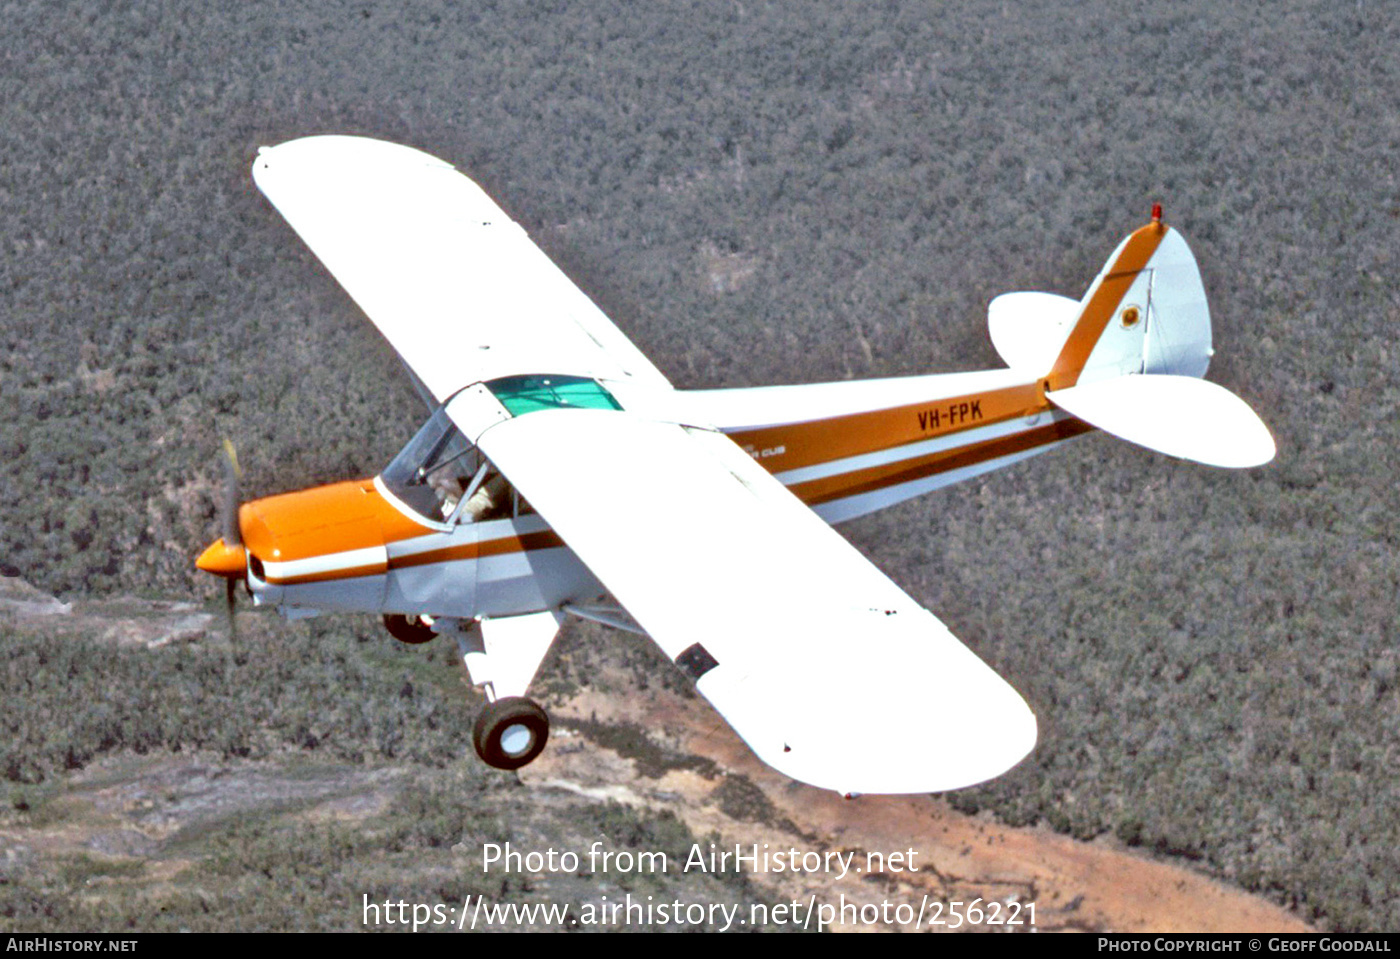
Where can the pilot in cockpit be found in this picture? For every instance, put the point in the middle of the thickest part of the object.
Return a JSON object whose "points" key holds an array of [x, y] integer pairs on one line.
{"points": [[490, 500]]}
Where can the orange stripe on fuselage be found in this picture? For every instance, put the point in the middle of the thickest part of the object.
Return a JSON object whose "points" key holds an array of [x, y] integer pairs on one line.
{"points": [[1097, 313], [511, 543], [875, 478], [544, 539], [814, 442]]}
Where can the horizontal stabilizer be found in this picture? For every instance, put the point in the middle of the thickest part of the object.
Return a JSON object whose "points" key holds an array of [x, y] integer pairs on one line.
{"points": [[1028, 329], [1178, 415]]}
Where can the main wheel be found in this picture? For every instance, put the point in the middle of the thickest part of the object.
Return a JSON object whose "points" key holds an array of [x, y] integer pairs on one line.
{"points": [[510, 732], [408, 629]]}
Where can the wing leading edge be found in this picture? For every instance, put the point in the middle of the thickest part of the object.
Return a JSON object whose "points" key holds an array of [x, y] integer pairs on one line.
{"points": [[451, 281], [828, 670]]}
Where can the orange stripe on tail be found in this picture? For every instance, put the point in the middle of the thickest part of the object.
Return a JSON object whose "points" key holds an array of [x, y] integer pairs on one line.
{"points": [[1096, 314]]}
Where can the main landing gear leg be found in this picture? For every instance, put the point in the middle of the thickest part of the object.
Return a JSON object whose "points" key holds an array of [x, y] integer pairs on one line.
{"points": [[502, 655]]}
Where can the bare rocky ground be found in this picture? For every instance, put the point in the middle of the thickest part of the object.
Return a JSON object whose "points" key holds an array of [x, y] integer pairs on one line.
{"points": [[123, 622], [146, 813], [138, 826]]}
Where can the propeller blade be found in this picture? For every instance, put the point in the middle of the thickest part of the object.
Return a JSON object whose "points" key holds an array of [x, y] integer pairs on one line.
{"points": [[231, 607], [228, 511], [231, 603]]}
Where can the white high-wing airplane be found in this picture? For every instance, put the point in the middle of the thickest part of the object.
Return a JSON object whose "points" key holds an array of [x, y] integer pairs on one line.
{"points": [[560, 473]]}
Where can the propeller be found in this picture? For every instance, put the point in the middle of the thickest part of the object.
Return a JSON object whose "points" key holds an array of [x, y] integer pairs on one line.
{"points": [[230, 609], [233, 538], [226, 557], [228, 511]]}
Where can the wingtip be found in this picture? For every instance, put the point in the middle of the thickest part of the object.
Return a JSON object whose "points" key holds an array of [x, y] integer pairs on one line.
{"points": [[1004, 739]]}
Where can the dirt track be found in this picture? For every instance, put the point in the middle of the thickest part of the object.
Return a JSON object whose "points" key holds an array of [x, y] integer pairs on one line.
{"points": [[1074, 885]]}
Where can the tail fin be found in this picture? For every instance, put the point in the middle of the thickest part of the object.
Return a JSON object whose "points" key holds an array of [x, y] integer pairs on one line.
{"points": [[1128, 357], [1144, 313]]}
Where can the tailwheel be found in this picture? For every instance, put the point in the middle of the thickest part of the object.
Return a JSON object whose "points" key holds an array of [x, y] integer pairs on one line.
{"points": [[510, 732], [408, 629]]}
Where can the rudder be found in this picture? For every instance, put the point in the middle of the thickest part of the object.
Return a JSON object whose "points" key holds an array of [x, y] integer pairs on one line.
{"points": [[1146, 312]]}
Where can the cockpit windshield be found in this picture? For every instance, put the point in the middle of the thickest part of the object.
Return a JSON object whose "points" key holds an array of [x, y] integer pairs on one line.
{"points": [[444, 478], [437, 469]]}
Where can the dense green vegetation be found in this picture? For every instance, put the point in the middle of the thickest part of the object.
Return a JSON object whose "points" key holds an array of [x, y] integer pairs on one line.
{"points": [[758, 194], [340, 706], [334, 701]]}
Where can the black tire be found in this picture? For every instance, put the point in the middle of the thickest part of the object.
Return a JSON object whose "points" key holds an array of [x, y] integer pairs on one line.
{"points": [[408, 629], [510, 732]]}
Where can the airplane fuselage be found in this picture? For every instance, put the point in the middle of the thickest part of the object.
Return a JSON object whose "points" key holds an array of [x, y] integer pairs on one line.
{"points": [[845, 449]]}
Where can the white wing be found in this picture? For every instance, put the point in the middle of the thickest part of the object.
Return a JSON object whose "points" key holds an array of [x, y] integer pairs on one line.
{"points": [[828, 670], [455, 285]]}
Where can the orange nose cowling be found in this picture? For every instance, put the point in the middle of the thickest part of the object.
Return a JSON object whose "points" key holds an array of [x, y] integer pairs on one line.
{"points": [[221, 559]]}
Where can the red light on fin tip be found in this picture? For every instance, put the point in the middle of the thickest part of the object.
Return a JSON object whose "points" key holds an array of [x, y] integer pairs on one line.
{"points": [[1156, 213]]}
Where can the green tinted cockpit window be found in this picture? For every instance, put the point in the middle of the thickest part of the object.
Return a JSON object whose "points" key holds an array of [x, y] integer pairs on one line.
{"points": [[526, 394]]}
